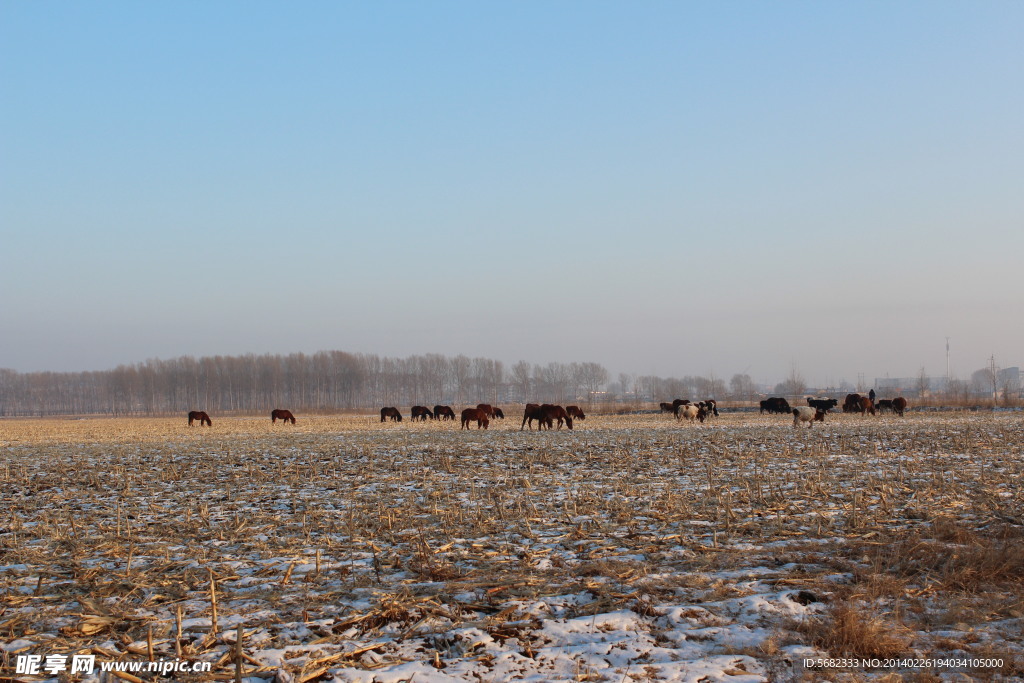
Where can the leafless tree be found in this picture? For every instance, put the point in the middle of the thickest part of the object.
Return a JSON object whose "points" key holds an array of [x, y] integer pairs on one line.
{"points": [[922, 384], [741, 387]]}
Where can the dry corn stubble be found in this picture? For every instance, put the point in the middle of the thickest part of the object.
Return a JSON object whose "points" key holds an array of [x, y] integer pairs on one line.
{"points": [[342, 538]]}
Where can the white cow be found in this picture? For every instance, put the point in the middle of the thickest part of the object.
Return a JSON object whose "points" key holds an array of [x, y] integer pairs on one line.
{"points": [[808, 415], [691, 412]]}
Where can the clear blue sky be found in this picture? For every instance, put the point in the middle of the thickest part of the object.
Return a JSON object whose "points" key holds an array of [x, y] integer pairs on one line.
{"points": [[662, 187]]}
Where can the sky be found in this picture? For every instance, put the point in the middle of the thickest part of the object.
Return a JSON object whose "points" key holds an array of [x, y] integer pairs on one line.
{"points": [[669, 188]]}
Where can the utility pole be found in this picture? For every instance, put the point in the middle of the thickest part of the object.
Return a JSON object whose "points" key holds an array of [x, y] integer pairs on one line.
{"points": [[995, 381], [947, 362]]}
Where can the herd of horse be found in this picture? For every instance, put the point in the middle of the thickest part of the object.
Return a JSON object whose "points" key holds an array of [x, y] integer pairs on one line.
{"points": [[547, 415], [550, 416]]}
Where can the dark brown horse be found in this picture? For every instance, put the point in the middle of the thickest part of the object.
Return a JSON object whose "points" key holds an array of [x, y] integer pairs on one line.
{"points": [[422, 413], [667, 407], [203, 418], [390, 414], [558, 413], [545, 415], [492, 411], [444, 413], [281, 414], [477, 414], [533, 411], [575, 413]]}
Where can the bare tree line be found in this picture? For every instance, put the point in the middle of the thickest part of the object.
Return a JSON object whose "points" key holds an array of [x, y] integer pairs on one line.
{"points": [[319, 382]]}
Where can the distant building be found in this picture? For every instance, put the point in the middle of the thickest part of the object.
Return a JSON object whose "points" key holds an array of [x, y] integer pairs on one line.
{"points": [[1008, 383], [891, 387], [1008, 380]]}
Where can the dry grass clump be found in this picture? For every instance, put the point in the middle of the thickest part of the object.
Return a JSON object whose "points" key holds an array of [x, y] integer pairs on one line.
{"points": [[847, 630], [955, 557]]}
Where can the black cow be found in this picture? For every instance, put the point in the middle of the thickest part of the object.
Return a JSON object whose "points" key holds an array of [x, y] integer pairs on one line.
{"points": [[774, 405], [822, 404]]}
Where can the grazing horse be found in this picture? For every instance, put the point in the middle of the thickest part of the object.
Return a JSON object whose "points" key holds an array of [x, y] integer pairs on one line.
{"points": [[553, 412], [421, 413], [203, 418], [899, 404], [532, 412], [444, 413], [883, 405], [667, 407], [545, 415], [575, 413], [478, 414], [279, 414], [490, 410], [390, 413]]}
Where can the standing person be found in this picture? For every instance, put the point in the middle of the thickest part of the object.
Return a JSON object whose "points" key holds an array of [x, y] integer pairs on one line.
{"points": [[871, 395]]}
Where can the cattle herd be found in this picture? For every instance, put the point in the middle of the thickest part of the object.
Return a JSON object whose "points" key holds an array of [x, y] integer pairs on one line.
{"points": [[549, 416], [817, 408]]}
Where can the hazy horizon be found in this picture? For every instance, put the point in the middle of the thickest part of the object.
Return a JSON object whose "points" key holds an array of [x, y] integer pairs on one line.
{"points": [[666, 188]]}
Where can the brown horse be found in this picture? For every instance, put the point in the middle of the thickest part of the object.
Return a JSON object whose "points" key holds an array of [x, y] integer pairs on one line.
{"points": [[203, 418], [421, 413], [390, 414], [533, 411], [471, 414], [492, 411], [281, 414], [545, 415], [553, 412], [444, 413]]}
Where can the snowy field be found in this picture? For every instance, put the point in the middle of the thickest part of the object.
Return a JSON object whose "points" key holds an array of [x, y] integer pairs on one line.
{"points": [[634, 548]]}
